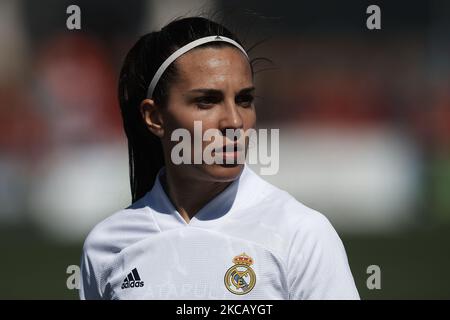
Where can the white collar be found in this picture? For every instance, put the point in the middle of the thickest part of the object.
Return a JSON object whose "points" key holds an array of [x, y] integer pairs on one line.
{"points": [[217, 209]]}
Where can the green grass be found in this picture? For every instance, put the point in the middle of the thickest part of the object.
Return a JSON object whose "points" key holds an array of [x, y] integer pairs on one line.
{"points": [[35, 268], [414, 265]]}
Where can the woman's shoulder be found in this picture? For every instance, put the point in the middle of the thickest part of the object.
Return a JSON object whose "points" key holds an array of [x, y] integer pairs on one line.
{"points": [[279, 208], [119, 230], [285, 225]]}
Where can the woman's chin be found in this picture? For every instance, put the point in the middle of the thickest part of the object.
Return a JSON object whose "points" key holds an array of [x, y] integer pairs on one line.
{"points": [[223, 172]]}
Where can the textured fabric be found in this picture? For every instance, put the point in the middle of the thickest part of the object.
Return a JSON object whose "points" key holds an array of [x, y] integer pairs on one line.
{"points": [[273, 246]]}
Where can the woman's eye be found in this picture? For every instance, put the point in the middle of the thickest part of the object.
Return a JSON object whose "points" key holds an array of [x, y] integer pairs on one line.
{"points": [[206, 102], [245, 101]]}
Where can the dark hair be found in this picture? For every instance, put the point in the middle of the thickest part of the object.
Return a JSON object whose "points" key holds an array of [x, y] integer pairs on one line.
{"points": [[144, 148]]}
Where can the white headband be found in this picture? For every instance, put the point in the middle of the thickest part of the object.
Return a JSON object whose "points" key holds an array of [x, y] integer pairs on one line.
{"points": [[183, 50]]}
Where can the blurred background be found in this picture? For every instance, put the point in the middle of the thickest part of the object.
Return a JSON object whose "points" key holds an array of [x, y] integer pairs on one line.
{"points": [[364, 119]]}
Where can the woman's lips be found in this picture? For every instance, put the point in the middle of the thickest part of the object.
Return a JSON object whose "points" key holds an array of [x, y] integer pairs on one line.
{"points": [[231, 151], [231, 148]]}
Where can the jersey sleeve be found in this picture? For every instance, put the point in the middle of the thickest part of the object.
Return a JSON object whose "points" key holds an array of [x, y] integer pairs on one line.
{"points": [[89, 284], [318, 268]]}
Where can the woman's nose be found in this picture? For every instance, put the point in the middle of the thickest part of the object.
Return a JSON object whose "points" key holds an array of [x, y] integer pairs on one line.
{"points": [[231, 117]]}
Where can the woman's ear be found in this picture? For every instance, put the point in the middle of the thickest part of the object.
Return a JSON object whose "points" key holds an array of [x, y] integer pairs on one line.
{"points": [[152, 116]]}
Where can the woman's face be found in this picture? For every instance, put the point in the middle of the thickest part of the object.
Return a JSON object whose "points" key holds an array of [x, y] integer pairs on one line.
{"points": [[214, 86]]}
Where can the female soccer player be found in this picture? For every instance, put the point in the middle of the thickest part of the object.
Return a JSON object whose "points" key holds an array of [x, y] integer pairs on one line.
{"points": [[202, 230]]}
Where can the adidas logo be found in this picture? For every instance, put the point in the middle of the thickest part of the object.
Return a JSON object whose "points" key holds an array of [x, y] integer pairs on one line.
{"points": [[132, 280]]}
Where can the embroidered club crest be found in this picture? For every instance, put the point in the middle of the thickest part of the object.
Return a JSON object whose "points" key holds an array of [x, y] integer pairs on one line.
{"points": [[240, 278]]}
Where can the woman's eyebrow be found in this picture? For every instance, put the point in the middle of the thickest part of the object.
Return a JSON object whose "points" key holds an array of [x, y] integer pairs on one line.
{"points": [[217, 92], [206, 91], [247, 90]]}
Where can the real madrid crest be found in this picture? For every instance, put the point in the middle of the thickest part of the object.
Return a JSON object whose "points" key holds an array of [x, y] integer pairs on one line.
{"points": [[240, 278]]}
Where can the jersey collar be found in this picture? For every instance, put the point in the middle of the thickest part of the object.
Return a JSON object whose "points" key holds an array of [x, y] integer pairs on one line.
{"points": [[216, 210]]}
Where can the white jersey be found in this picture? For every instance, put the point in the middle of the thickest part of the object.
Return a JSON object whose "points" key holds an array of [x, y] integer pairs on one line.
{"points": [[252, 241]]}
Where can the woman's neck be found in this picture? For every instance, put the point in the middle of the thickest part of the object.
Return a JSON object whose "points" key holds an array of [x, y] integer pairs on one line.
{"points": [[190, 195]]}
